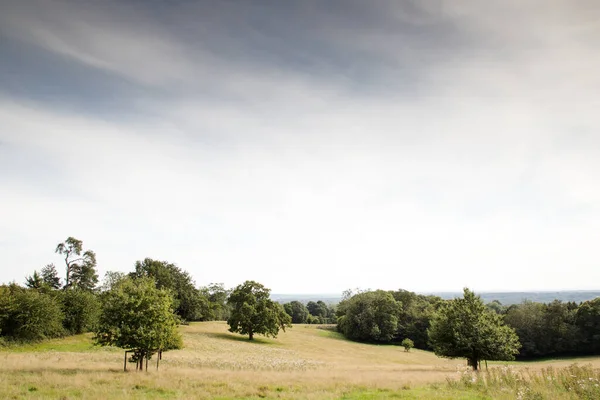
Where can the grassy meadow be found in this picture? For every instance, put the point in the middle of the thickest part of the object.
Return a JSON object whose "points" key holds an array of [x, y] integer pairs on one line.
{"points": [[302, 363]]}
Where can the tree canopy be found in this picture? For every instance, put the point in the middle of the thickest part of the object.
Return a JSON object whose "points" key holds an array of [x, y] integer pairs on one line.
{"points": [[464, 327], [136, 315], [369, 316], [80, 265], [253, 312], [189, 304]]}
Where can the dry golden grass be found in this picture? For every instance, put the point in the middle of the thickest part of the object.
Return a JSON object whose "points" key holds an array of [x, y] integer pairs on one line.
{"points": [[304, 362]]}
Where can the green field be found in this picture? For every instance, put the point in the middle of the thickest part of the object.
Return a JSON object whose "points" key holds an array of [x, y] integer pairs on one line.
{"points": [[303, 363]]}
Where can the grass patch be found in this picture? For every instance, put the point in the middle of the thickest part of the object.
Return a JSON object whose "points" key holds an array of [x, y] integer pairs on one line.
{"points": [[77, 344]]}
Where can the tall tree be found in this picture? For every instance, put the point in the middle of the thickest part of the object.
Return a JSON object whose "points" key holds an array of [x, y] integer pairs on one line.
{"points": [[216, 294], [464, 327], [253, 312], [190, 304], [297, 311], [50, 276], [80, 265]]}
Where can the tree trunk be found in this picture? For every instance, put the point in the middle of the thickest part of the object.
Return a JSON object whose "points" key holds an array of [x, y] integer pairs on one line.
{"points": [[251, 334], [473, 363]]}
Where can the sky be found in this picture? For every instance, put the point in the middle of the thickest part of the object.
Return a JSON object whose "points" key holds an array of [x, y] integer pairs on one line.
{"points": [[313, 146]]}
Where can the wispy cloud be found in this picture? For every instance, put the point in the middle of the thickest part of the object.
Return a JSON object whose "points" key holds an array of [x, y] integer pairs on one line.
{"points": [[354, 143]]}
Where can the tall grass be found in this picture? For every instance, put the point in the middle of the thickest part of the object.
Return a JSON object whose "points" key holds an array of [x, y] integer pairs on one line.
{"points": [[572, 382]]}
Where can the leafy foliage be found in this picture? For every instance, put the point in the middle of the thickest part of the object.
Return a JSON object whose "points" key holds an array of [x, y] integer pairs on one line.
{"points": [[80, 265], [189, 304], [216, 294], [407, 344], [135, 314], [28, 314], [50, 277], [369, 316], [253, 312], [466, 328], [34, 281], [588, 322], [297, 311], [81, 310]]}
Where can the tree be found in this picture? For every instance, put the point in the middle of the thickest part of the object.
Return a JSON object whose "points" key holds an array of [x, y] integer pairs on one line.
{"points": [[253, 312], [50, 276], [189, 304], [216, 294], [369, 316], [34, 281], [80, 265], [588, 321], [137, 316], [317, 309], [407, 344], [464, 327], [81, 309], [297, 311], [29, 315]]}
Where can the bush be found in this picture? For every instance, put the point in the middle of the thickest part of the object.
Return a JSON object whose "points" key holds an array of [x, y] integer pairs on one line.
{"points": [[81, 309], [29, 315], [407, 344]]}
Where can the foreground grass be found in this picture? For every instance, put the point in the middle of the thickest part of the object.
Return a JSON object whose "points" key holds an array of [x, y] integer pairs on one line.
{"points": [[303, 363]]}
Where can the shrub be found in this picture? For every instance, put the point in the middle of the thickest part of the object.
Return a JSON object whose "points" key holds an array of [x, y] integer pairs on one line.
{"points": [[407, 344], [29, 315]]}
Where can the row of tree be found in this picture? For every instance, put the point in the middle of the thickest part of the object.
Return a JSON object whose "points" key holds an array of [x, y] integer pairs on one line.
{"points": [[311, 313], [465, 327]]}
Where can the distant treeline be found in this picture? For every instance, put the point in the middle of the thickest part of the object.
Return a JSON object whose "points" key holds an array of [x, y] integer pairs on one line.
{"points": [[544, 329]]}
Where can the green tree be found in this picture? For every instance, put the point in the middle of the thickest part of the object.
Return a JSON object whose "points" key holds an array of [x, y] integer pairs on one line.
{"points": [[407, 344], [588, 321], [81, 310], [297, 311], [80, 265], [190, 304], [216, 294], [28, 314], [50, 276], [464, 327], [253, 312], [34, 281], [369, 316], [415, 316], [137, 316]]}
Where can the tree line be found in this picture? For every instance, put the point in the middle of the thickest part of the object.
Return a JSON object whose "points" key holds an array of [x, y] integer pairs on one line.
{"points": [[466, 327], [162, 296]]}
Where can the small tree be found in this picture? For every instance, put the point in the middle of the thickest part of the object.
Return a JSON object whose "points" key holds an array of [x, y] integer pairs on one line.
{"points": [[138, 317], [34, 281], [50, 276], [407, 344], [253, 312], [466, 328]]}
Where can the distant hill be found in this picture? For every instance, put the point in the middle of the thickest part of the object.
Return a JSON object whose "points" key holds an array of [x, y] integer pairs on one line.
{"points": [[506, 298]]}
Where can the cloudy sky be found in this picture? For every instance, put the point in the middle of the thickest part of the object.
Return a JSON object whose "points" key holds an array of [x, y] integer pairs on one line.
{"points": [[311, 145]]}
